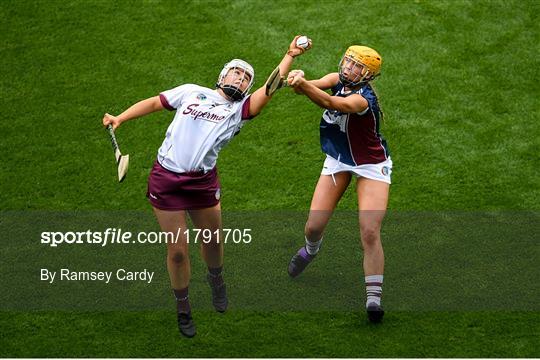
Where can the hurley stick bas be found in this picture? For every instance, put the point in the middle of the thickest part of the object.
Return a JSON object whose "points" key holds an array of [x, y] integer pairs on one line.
{"points": [[122, 161], [275, 82]]}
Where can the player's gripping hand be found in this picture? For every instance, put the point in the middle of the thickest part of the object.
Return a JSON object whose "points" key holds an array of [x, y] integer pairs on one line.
{"points": [[111, 119], [295, 78], [296, 50]]}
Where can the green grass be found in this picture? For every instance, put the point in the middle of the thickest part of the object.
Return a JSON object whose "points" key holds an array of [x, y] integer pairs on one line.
{"points": [[269, 334], [460, 94]]}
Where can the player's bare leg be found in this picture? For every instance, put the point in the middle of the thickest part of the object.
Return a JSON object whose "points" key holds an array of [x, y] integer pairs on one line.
{"points": [[209, 218], [178, 266], [372, 203], [325, 198], [212, 252]]}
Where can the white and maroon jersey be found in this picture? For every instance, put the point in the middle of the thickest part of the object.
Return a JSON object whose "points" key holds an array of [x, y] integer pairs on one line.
{"points": [[354, 138], [204, 122]]}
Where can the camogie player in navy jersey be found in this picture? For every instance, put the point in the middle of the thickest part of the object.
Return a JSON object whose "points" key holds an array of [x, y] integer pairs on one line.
{"points": [[184, 179], [354, 146]]}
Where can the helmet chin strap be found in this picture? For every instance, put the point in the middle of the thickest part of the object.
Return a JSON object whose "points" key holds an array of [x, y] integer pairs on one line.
{"points": [[232, 92], [348, 83], [363, 81]]}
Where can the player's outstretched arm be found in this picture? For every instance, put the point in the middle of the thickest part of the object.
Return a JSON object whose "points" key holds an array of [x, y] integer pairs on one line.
{"points": [[143, 107], [326, 82], [259, 99], [350, 104]]}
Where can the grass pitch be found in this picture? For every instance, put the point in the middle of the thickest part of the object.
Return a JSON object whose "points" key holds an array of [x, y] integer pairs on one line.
{"points": [[459, 88]]}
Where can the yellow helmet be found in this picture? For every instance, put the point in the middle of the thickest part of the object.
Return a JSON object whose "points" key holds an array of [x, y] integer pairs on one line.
{"points": [[368, 65]]}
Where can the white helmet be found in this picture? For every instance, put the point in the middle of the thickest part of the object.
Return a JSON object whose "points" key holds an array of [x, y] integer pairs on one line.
{"points": [[230, 90]]}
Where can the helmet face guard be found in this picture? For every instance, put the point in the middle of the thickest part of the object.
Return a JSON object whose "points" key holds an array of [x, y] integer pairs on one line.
{"points": [[353, 73], [359, 65], [231, 90]]}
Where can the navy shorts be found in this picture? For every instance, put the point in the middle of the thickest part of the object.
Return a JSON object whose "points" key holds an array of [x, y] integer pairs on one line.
{"points": [[168, 190]]}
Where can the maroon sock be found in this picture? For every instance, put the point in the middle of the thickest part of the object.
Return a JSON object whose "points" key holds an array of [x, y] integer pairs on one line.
{"points": [[216, 275], [182, 300]]}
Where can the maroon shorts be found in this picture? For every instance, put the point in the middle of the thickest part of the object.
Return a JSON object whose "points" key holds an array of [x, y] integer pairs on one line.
{"points": [[168, 190]]}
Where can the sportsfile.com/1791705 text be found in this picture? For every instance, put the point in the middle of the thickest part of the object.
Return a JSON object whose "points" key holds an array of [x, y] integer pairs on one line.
{"points": [[118, 236]]}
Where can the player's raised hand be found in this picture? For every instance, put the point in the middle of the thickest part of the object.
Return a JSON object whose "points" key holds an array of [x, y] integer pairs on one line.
{"points": [[299, 45], [111, 119]]}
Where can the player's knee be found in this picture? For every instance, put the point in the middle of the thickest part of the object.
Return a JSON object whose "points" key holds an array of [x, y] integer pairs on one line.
{"points": [[370, 235], [177, 256]]}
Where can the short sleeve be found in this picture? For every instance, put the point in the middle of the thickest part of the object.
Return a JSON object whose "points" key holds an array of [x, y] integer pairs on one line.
{"points": [[172, 99], [245, 109]]}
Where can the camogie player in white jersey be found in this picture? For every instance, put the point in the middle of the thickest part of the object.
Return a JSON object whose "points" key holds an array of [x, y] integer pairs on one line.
{"points": [[184, 179]]}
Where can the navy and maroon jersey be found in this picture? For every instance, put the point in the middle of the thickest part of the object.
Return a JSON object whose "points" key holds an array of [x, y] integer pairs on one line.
{"points": [[354, 138]]}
